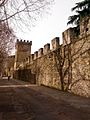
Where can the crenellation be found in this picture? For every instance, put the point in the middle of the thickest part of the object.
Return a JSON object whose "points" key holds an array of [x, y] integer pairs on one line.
{"points": [[35, 55], [55, 43], [46, 48], [69, 35], [31, 57], [17, 40], [30, 42], [40, 52], [21, 40]]}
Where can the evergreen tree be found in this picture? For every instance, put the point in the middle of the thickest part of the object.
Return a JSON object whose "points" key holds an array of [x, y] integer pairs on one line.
{"points": [[82, 10]]}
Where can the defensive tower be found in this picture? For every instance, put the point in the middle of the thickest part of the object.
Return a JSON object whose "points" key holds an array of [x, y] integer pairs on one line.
{"points": [[23, 50]]}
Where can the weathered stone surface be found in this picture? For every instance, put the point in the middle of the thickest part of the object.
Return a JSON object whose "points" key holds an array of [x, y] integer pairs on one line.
{"points": [[73, 60], [23, 50]]}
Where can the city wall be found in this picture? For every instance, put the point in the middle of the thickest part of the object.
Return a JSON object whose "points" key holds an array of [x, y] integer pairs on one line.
{"points": [[69, 62], [44, 65]]}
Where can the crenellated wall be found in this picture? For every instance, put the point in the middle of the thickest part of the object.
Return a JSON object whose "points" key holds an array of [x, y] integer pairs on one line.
{"points": [[76, 65], [69, 62]]}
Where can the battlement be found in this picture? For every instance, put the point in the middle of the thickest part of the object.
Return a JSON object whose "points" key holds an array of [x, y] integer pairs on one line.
{"points": [[42, 66], [46, 48], [24, 47], [55, 43], [35, 55], [21, 42], [68, 36], [40, 52]]}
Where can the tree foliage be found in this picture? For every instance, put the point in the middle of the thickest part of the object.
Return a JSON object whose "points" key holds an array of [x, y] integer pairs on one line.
{"points": [[82, 10]]}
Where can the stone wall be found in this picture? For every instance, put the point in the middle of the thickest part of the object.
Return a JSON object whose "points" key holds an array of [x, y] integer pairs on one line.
{"points": [[76, 70], [68, 63], [10, 65], [81, 67], [41, 63], [25, 75], [23, 50]]}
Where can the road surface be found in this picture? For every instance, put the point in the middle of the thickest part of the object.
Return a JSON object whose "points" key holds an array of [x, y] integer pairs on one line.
{"points": [[23, 101]]}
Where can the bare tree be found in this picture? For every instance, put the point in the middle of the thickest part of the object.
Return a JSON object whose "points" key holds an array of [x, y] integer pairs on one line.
{"points": [[62, 57], [21, 12], [18, 13], [69, 60], [6, 42]]}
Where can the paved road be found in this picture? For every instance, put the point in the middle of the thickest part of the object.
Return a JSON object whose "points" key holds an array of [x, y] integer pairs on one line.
{"points": [[23, 101]]}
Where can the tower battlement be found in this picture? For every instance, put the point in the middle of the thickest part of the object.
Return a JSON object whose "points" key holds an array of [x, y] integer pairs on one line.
{"points": [[23, 42]]}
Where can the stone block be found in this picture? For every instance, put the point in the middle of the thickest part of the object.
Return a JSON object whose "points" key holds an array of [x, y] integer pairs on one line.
{"points": [[46, 48], [68, 36], [35, 55], [40, 52], [55, 43]]}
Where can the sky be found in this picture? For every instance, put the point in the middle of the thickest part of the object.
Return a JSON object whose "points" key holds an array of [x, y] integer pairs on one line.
{"points": [[50, 26]]}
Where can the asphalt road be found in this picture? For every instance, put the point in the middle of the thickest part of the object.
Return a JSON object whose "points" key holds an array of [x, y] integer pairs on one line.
{"points": [[23, 101]]}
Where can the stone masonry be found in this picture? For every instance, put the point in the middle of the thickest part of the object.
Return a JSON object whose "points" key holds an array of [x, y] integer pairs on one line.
{"points": [[45, 66]]}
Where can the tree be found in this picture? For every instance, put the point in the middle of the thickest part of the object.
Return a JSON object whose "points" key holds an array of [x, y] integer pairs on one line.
{"points": [[18, 12], [62, 57], [22, 11], [70, 61], [82, 10], [6, 42]]}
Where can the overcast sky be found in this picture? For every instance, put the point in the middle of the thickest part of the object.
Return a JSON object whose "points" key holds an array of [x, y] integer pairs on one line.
{"points": [[50, 26]]}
